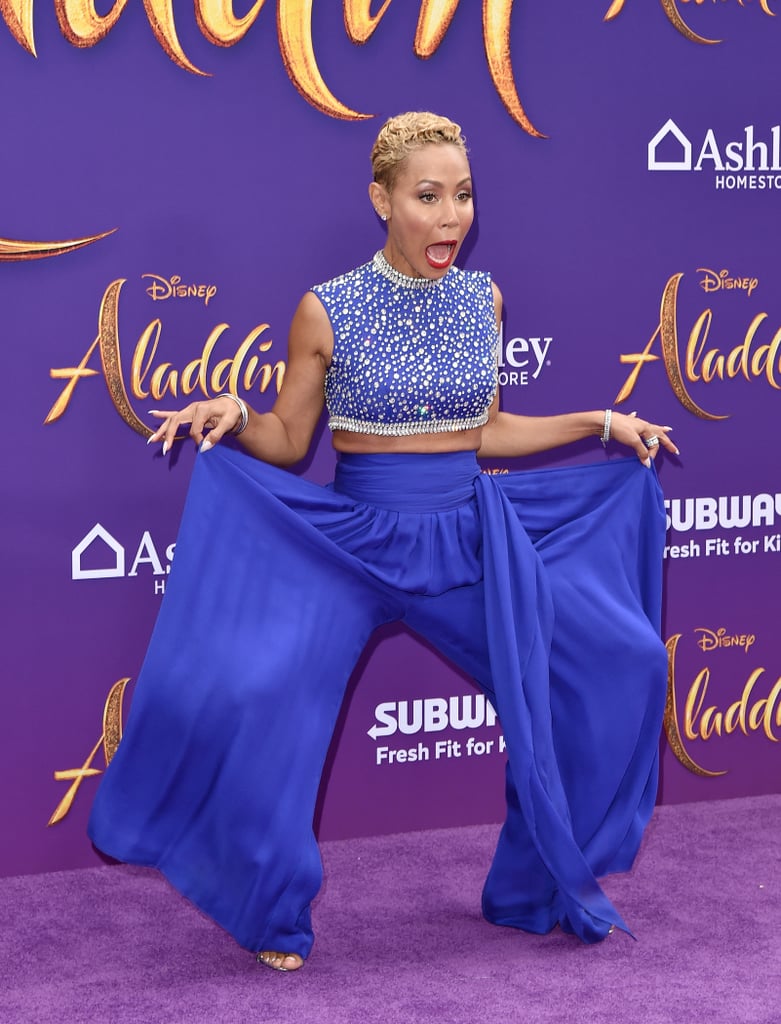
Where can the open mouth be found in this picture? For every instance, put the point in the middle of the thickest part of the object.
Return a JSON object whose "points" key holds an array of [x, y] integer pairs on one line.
{"points": [[441, 254]]}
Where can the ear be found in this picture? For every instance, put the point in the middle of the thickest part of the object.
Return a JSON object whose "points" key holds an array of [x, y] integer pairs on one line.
{"points": [[379, 200]]}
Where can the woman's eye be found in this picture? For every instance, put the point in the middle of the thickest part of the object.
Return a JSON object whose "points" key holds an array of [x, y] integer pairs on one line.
{"points": [[427, 197], [465, 195]]}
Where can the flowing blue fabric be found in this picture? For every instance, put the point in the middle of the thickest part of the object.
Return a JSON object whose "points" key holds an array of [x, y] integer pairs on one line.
{"points": [[544, 586]]}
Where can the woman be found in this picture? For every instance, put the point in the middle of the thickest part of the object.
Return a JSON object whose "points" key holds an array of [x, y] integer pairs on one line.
{"points": [[279, 584]]}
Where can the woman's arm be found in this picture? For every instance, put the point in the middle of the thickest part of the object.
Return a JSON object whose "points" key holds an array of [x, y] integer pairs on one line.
{"points": [[283, 435], [507, 435]]}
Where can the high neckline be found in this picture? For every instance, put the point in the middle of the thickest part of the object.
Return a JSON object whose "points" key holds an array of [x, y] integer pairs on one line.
{"points": [[382, 266]]}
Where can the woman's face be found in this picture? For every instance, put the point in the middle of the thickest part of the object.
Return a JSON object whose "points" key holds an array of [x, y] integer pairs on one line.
{"points": [[429, 210]]}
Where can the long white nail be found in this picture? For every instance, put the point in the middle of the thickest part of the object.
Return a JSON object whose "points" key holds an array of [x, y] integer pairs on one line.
{"points": [[647, 463], [205, 445], [150, 439], [165, 447]]}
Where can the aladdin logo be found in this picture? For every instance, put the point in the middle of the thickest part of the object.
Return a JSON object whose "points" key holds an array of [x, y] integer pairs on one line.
{"points": [[726, 513], [672, 10], [756, 357], [756, 709], [522, 359], [722, 282], [83, 26], [740, 155], [152, 375], [172, 288], [100, 556]]}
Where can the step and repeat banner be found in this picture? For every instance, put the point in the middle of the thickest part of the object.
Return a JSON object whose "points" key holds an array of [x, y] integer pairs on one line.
{"points": [[175, 175]]}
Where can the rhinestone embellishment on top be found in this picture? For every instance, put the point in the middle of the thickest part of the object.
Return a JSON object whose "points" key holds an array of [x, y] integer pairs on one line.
{"points": [[410, 355], [402, 280]]}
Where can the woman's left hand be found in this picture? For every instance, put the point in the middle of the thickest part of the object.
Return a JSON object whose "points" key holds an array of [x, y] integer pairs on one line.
{"points": [[643, 437]]}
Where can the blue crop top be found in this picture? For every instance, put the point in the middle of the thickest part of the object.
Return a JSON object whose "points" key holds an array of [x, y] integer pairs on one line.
{"points": [[411, 355]]}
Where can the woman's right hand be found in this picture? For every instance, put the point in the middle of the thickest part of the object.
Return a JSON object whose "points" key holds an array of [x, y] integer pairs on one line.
{"points": [[281, 436], [219, 416]]}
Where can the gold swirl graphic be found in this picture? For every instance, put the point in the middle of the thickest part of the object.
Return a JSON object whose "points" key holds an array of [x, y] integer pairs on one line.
{"points": [[360, 23], [161, 17], [294, 29], [18, 16], [669, 335], [671, 10], [496, 36], [81, 24], [219, 24], [108, 339], [671, 727], [13, 249], [614, 10], [112, 719], [433, 23], [112, 734]]}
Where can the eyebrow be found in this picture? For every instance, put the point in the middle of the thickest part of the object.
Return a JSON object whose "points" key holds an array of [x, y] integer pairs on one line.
{"points": [[432, 181]]}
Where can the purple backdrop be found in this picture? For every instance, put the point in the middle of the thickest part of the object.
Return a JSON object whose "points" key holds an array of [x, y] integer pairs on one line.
{"points": [[634, 244]]}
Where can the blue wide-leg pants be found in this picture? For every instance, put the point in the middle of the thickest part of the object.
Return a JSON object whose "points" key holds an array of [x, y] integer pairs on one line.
{"points": [[543, 586]]}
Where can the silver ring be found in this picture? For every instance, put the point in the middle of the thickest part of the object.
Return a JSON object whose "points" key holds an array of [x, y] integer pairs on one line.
{"points": [[651, 442]]}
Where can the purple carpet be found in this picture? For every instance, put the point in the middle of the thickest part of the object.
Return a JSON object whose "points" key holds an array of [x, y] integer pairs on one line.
{"points": [[400, 939]]}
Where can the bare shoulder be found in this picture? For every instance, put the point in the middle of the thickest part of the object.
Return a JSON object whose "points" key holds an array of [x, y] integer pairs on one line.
{"points": [[497, 299], [311, 313], [310, 329]]}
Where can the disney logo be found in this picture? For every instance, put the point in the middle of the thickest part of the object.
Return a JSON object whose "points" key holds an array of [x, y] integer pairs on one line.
{"points": [[711, 640], [172, 288], [721, 281]]}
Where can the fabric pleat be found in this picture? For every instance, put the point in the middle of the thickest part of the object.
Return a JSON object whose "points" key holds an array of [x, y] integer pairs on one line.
{"points": [[544, 586]]}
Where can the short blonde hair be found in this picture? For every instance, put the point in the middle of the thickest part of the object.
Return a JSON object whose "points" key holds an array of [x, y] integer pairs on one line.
{"points": [[403, 134]]}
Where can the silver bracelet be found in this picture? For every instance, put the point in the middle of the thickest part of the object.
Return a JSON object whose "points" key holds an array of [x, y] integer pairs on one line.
{"points": [[242, 409], [606, 427]]}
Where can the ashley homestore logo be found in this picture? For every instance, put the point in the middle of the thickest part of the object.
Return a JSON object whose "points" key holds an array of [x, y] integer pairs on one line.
{"points": [[100, 556], [752, 161]]}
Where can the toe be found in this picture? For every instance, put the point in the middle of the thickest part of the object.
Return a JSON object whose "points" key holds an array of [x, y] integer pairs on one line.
{"points": [[280, 961], [291, 962]]}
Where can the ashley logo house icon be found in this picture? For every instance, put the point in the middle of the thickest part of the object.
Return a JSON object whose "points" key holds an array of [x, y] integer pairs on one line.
{"points": [[115, 554], [669, 137]]}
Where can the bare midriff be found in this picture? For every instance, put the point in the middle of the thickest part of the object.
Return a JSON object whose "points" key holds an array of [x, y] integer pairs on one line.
{"points": [[372, 444]]}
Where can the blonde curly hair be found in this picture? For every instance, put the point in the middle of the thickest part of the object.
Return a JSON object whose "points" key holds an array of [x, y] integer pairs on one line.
{"points": [[404, 133]]}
